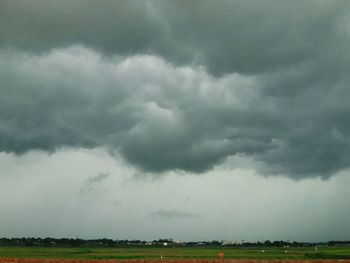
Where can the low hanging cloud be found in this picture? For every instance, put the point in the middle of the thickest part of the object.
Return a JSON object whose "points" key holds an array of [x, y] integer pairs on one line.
{"points": [[179, 86], [172, 214], [89, 184]]}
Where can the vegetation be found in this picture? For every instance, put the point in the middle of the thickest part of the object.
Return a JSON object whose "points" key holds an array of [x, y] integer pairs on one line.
{"points": [[104, 242], [66, 248], [324, 252]]}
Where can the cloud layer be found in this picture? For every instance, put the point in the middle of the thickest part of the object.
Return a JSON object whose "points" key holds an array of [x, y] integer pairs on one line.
{"points": [[177, 85], [40, 197]]}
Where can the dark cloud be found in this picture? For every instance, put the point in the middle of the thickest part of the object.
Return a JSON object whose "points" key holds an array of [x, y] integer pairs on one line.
{"points": [[225, 36], [172, 214], [122, 26], [179, 85]]}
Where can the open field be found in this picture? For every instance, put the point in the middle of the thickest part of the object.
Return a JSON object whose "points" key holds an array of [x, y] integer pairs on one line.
{"points": [[302, 253]]}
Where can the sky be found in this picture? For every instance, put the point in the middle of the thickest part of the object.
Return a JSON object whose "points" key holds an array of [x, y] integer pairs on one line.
{"points": [[192, 120]]}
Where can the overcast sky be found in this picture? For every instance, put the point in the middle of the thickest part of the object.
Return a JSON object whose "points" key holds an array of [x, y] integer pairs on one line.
{"points": [[192, 120]]}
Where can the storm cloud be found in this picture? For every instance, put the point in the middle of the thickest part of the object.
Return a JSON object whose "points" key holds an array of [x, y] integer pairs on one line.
{"points": [[180, 85]]}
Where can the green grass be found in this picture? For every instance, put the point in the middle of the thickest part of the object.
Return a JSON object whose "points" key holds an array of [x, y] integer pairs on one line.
{"points": [[175, 253]]}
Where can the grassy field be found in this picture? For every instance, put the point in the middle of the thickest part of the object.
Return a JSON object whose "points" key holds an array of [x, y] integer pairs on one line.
{"points": [[175, 253]]}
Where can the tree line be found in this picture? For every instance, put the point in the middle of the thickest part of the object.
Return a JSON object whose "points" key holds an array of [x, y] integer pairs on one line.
{"points": [[105, 242]]}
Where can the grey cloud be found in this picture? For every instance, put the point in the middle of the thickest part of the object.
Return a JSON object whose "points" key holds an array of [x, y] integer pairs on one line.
{"points": [[224, 36], [172, 214], [161, 117], [90, 183]]}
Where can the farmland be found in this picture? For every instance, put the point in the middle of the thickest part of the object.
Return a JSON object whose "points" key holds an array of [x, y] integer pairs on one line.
{"points": [[267, 253]]}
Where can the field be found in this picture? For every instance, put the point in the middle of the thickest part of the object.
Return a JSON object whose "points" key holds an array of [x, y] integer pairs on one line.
{"points": [[175, 253]]}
